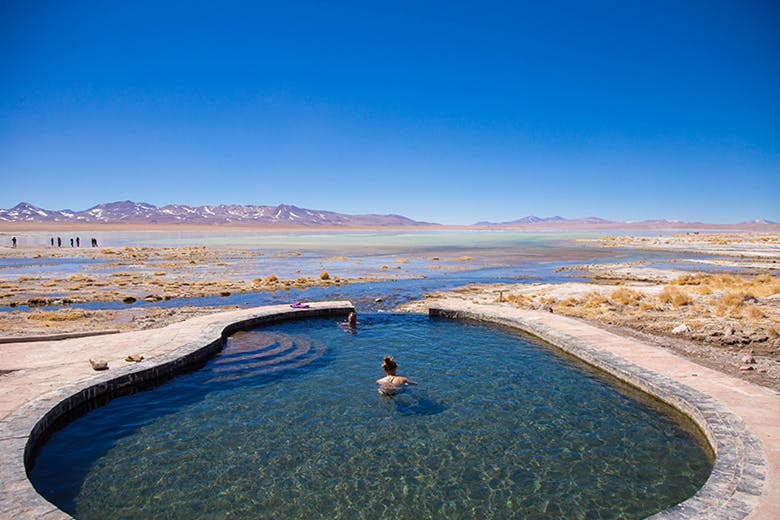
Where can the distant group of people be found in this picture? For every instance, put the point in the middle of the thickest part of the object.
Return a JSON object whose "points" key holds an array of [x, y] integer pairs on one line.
{"points": [[74, 242]]}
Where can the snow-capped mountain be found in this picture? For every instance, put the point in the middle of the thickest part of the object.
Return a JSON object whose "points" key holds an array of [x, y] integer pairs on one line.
{"points": [[128, 212]]}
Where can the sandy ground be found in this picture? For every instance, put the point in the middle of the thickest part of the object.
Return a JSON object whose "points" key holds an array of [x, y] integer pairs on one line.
{"points": [[726, 320], [742, 245]]}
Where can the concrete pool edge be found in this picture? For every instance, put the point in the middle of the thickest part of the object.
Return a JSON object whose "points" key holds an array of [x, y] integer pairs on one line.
{"points": [[740, 476], [198, 339]]}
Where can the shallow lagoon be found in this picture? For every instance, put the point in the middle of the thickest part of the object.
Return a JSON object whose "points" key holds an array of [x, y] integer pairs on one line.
{"points": [[461, 257], [287, 422]]}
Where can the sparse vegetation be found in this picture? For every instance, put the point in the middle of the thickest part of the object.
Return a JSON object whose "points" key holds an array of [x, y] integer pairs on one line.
{"points": [[59, 315]]}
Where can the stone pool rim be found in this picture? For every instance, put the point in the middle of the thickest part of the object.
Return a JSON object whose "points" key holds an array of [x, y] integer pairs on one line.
{"points": [[732, 490]]}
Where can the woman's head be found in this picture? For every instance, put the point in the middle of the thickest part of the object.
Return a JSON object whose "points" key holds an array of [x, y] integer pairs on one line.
{"points": [[389, 365]]}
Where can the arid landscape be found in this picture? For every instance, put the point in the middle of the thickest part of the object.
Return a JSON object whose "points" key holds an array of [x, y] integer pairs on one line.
{"points": [[725, 313]]}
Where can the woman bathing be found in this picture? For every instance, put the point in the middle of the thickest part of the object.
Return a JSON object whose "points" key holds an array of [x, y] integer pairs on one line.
{"points": [[391, 383]]}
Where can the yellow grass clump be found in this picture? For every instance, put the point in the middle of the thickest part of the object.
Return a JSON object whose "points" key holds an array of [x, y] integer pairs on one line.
{"points": [[594, 299], [752, 312], [60, 315], [625, 296], [734, 299], [674, 296], [80, 278], [689, 279]]}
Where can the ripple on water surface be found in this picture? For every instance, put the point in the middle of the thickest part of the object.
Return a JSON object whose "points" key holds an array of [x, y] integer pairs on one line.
{"points": [[287, 423]]}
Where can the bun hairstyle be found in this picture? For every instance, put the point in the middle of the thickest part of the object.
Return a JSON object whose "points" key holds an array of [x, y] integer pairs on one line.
{"points": [[389, 364]]}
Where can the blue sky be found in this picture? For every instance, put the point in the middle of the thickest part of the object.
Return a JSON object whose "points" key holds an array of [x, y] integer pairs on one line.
{"points": [[450, 112]]}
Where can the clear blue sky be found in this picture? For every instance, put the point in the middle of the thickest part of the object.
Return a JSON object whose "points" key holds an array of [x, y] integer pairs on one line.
{"points": [[451, 112]]}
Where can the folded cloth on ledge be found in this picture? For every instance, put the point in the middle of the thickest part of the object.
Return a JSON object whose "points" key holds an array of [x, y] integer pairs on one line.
{"points": [[299, 305]]}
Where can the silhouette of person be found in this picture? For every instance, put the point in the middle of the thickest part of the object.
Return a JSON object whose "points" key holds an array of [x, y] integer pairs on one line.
{"points": [[71, 242], [78, 242], [13, 241], [59, 242], [52, 241]]}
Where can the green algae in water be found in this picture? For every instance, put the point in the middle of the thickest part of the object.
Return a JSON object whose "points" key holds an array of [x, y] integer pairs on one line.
{"points": [[500, 427]]}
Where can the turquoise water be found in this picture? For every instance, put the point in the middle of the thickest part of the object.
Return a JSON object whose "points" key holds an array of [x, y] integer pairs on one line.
{"points": [[326, 240], [287, 423]]}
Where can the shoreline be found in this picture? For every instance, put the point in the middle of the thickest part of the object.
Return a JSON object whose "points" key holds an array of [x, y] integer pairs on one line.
{"points": [[607, 228]]}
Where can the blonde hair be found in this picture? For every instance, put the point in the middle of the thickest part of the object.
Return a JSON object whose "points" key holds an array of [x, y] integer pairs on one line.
{"points": [[389, 364]]}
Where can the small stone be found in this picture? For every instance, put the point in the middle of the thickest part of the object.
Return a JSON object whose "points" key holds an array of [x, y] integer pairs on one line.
{"points": [[378, 300], [681, 329], [746, 368], [100, 364]]}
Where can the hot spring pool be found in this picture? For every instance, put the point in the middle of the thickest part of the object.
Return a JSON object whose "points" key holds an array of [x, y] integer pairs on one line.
{"points": [[287, 423]]}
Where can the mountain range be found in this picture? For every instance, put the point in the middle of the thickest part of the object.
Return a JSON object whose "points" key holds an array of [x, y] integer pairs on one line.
{"points": [[140, 213], [128, 212]]}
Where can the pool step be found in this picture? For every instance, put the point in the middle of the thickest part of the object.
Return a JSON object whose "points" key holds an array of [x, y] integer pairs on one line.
{"points": [[263, 355], [276, 348]]}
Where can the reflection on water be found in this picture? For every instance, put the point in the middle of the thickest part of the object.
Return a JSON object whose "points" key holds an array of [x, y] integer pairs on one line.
{"points": [[409, 401]]}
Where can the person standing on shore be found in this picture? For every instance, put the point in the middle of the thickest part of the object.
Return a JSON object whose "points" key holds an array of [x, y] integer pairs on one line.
{"points": [[52, 241], [78, 242], [13, 241], [59, 242]]}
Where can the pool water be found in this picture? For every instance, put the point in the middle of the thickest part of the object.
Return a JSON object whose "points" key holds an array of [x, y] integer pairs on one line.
{"points": [[287, 423]]}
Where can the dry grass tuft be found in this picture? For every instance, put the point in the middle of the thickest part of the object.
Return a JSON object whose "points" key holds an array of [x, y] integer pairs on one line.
{"points": [[734, 299], [517, 299], [674, 296], [625, 296], [594, 299], [80, 278], [689, 279], [754, 313], [60, 315]]}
